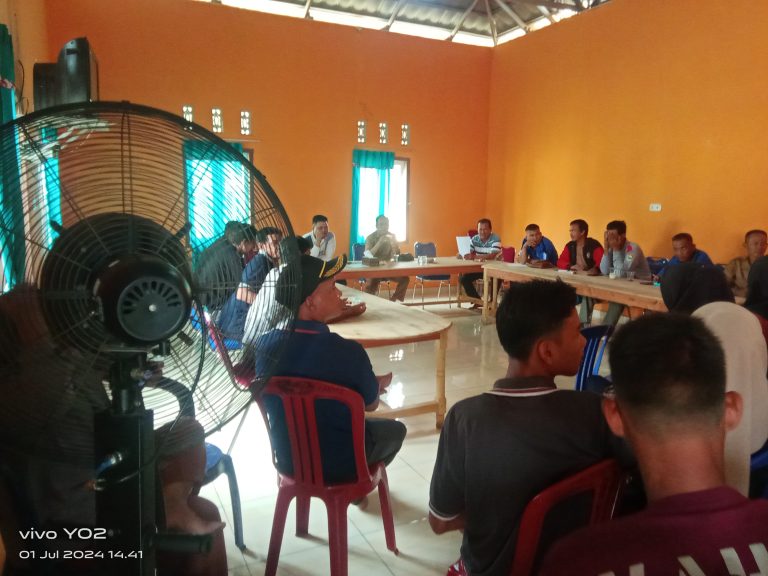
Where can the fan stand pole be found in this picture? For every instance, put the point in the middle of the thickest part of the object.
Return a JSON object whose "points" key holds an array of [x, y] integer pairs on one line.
{"points": [[125, 498]]}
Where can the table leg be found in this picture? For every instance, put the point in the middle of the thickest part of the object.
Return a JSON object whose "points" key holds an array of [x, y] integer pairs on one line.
{"points": [[486, 294], [492, 305], [442, 345]]}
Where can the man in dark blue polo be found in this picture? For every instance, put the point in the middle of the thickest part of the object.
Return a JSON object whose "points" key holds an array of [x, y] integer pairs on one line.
{"points": [[311, 350]]}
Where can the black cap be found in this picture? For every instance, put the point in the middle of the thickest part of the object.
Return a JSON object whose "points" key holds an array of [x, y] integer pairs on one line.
{"points": [[306, 273]]}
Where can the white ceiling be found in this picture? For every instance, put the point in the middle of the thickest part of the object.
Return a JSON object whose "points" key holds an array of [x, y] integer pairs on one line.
{"points": [[481, 22]]}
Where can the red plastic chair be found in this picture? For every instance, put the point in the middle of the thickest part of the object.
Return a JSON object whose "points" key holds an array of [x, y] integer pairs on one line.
{"points": [[298, 397], [472, 232], [242, 374], [603, 479], [508, 254]]}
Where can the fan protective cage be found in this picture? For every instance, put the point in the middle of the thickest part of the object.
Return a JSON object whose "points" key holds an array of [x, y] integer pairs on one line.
{"points": [[91, 186]]}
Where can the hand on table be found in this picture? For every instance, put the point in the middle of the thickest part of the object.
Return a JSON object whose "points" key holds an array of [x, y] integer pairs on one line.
{"points": [[350, 310], [384, 381]]}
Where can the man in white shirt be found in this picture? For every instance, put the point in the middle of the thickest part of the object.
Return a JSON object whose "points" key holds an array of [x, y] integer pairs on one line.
{"points": [[323, 240]]}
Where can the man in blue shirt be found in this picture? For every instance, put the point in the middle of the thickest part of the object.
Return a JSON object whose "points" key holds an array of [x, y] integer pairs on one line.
{"points": [[685, 251], [537, 249], [231, 320], [311, 350]]}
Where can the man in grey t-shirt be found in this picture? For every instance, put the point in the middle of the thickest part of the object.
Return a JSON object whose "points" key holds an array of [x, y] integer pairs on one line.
{"points": [[623, 256]]}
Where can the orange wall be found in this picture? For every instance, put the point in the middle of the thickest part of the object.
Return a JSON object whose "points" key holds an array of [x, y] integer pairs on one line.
{"points": [[26, 22], [635, 102], [306, 84]]}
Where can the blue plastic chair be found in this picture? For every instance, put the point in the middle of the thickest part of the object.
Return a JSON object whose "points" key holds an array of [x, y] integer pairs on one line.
{"points": [[216, 462], [358, 249], [759, 463], [597, 339], [430, 250]]}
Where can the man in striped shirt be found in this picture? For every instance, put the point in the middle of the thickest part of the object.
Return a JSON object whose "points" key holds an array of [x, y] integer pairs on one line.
{"points": [[485, 246]]}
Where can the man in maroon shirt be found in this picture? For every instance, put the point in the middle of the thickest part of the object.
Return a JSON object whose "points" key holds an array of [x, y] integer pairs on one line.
{"points": [[671, 405]]}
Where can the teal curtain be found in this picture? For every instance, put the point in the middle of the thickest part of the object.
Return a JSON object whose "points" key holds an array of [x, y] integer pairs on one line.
{"points": [[11, 211], [217, 191], [381, 161]]}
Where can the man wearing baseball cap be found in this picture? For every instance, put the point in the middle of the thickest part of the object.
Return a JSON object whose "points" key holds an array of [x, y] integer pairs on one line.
{"points": [[311, 350]]}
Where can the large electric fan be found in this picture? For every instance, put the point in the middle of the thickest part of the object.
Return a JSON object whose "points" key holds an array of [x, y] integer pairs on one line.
{"points": [[105, 210]]}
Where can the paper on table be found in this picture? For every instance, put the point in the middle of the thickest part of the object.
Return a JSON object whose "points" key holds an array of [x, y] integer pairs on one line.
{"points": [[465, 244]]}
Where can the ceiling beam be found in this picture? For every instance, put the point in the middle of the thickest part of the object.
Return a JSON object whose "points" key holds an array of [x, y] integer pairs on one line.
{"points": [[551, 4], [547, 14], [491, 22], [395, 11], [512, 14], [462, 19]]}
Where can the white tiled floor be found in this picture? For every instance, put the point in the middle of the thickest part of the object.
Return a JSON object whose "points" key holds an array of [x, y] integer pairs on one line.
{"points": [[474, 361]]}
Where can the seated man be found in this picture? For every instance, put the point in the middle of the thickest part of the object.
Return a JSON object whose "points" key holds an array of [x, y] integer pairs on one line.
{"points": [[485, 245], [536, 249], [309, 350], [219, 267], [51, 397], [323, 240], [582, 255], [382, 244], [266, 313], [685, 251], [737, 270], [231, 320], [671, 404], [497, 450], [622, 256]]}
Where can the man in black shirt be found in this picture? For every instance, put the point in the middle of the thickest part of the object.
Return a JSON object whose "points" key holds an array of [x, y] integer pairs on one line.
{"points": [[501, 448]]}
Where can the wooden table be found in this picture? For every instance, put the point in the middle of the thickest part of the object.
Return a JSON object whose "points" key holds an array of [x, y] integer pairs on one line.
{"points": [[622, 291], [386, 323], [442, 265]]}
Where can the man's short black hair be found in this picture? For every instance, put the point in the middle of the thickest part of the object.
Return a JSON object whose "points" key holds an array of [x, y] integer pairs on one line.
{"points": [[532, 228], [304, 244], [319, 218], [668, 368], [682, 236], [264, 234], [619, 225], [230, 229], [531, 310], [484, 221], [755, 231], [379, 217], [244, 233], [582, 224]]}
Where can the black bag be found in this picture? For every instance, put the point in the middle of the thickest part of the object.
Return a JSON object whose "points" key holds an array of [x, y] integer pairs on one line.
{"points": [[406, 257]]}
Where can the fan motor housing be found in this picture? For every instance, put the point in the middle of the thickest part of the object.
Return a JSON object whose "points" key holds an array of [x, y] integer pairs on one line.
{"points": [[143, 299]]}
